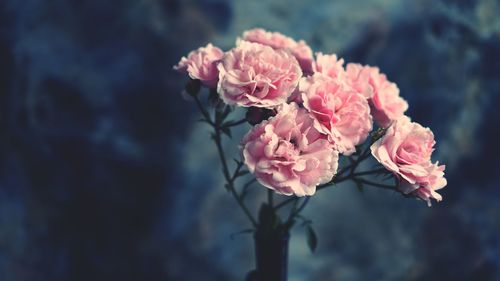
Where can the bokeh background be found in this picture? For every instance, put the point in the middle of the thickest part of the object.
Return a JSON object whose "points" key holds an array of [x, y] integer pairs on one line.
{"points": [[105, 173]]}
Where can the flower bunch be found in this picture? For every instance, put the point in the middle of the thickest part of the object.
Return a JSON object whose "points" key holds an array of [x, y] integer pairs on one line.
{"points": [[309, 110]]}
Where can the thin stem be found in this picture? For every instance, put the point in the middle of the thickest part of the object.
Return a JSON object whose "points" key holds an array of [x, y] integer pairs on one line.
{"points": [[322, 186], [293, 210], [229, 180], [354, 163], [364, 173], [236, 123], [270, 197], [381, 185], [246, 186], [203, 111], [334, 181], [302, 206], [283, 203], [343, 170]]}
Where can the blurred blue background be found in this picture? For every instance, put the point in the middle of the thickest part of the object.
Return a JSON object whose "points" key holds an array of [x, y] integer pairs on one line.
{"points": [[105, 174]]}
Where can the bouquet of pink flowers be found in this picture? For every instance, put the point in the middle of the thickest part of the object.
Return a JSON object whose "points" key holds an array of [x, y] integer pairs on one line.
{"points": [[308, 113]]}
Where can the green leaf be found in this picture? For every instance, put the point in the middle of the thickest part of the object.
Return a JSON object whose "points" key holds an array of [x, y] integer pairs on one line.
{"points": [[359, 148], [360, 186], [380, 132], [242, 173], [228, 123], [226, 131], [226, 112], [312, 239], [193, 87]]}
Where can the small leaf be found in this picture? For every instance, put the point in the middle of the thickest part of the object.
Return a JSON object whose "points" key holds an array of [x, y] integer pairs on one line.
{"points": [[359, 148], [213, 98], [218, 117], [360, 186], [193, 87], [380, 132], [312, 239], [226, 131], [242, 173], [226, 112], [227, 123]]}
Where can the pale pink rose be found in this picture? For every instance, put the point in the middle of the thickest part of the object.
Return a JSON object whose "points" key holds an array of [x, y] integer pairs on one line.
{"points": [[406, 150], [257, 75], [329, 65], [358, 77], [339, 112], [385, 102], [287, 154], [201, 64], [426, 190], [276, 40]]}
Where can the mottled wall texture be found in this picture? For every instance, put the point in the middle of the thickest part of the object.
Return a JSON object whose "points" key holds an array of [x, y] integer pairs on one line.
{"points": [[105, 173]]}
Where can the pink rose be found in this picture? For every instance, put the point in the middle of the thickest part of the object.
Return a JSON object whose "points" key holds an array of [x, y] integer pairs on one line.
{"points": [[256, 75], [406, 150], [276, 40], [339, 112], [201, 64], [427, 189], [358, 77], [287, 154], [385, 102], [329, 65]]}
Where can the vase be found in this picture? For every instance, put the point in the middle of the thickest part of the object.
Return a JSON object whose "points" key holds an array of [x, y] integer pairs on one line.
{"points": [[271, 255]]}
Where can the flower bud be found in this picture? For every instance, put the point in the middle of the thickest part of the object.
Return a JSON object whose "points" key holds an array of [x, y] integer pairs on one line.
{"points": [[192, 87], [255, 115]]}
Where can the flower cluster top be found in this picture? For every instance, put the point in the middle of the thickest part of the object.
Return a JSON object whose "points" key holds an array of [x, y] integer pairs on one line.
{"points": [[320, 109]]}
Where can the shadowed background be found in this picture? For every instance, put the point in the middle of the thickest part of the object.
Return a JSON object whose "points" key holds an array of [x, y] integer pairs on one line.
{"points": [[106, 175]]}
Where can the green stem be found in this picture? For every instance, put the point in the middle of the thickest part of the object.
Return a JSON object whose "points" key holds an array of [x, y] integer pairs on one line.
{"points": [[270, 197], [364, 173], [229, 179], [236, 123], [203, 111], [381, 185], [298, 210]]}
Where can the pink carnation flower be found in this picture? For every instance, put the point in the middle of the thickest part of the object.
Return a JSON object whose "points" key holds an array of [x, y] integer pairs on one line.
{"points": [[383, 95], [329, 65], [276, 40], [287, 154], [406, 150], [201, 64], [256, 75], [338, 111], [358, 77]]}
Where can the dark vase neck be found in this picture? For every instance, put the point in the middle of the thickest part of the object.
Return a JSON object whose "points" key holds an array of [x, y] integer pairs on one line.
{"points": [[271, 254]]}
